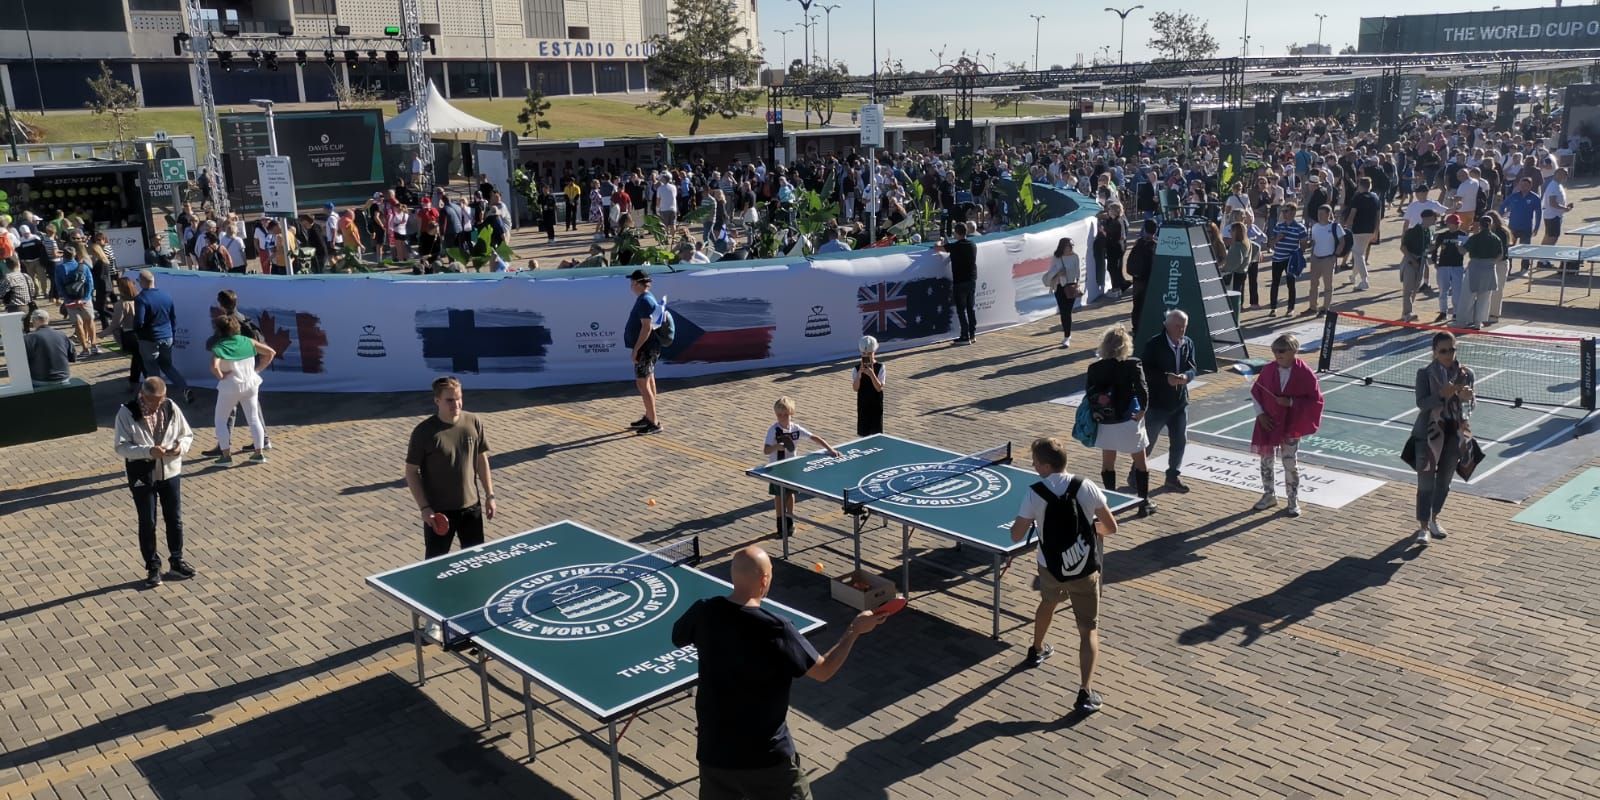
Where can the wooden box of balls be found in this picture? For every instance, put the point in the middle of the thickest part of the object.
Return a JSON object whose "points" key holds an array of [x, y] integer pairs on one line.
{"points": [[862, 590]]}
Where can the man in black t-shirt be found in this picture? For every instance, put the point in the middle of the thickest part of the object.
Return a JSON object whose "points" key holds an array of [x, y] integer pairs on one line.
{"points": [[964, 280], [749, 657], [1363, 218]]}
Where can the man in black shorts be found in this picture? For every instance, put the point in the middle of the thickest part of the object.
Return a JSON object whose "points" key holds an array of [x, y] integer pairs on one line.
{"points": [[642, 336], [749, 657]]}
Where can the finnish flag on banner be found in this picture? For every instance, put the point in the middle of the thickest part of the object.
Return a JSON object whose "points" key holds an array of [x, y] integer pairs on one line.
{"points": [[478, 340]]}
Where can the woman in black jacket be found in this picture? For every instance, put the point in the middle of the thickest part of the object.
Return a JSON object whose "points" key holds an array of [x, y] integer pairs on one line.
{"points": [[1117, 392]]}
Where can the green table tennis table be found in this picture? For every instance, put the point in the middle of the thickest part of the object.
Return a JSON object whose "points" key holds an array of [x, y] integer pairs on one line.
{"points": [[1559, 253], [971, 499], [583, 614]]}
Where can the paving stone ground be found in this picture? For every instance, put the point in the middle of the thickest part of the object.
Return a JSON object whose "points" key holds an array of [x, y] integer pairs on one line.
{"points": [[1244, 654]]}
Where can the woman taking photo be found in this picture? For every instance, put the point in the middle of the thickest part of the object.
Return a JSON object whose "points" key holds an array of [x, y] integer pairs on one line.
{"points": [[1062, 280], [1115, 232], [1117, 392], [1441, 438], [1288, 403], [233, 364], [866, 378]]}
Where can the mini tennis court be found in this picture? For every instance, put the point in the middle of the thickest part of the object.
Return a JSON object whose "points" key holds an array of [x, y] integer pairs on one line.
{"points": [[1533, 392]]}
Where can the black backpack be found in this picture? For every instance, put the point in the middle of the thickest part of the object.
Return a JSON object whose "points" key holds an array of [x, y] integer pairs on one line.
{"points": [[1066, 537], [76, 285]]}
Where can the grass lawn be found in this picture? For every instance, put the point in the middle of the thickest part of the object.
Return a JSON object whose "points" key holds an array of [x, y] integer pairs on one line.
{"points": [[570, 118]]}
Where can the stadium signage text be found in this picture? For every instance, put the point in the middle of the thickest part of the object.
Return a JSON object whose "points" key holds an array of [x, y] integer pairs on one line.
{"points": [[579, 48], [1512, 33]]}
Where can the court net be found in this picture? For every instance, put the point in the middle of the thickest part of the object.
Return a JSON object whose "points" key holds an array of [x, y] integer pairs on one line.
{"points": [[589, 593], [925, 479], [1511, 368]]}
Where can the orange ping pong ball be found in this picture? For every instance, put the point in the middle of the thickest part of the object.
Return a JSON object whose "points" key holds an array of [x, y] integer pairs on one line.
{"points": [[818, 566], [650, 502]]}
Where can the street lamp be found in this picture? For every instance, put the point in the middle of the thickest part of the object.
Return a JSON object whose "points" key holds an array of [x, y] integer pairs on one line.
{"points": [[808, 22], [1037, 19], [828, 12], [1320, 18], [784, 32], [1122, 39]]}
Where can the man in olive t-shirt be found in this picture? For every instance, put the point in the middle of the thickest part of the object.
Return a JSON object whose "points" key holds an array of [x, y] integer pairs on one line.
{"points": [[445, 452]]}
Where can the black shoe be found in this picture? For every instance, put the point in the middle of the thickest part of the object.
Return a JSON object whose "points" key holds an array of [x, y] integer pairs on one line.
{"points": [[182, 569], [1175, 485], [1037, 656], [252, 446], [639, 423], [653, 427], [217, 451], [1146, 508], [188, 397], [1088, 701], [152, 579]]}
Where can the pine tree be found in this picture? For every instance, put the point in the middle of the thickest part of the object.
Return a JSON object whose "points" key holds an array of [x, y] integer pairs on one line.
{"points": [[534, 109], [699, 69]]}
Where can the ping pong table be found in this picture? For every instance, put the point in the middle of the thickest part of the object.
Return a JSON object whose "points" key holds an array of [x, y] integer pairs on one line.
{"points": [[922, 488], [583, 614], [1558, 253]]}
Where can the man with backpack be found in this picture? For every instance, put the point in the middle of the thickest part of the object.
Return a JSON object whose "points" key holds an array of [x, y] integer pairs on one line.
{"points": [[1060, 508], [648, 331]]}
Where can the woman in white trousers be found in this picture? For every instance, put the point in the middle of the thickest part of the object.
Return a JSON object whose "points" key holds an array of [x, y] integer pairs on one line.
{"points": [[234, 364]]}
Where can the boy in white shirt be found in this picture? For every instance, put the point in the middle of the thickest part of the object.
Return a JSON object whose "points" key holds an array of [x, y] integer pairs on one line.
{"points": [[782, 438]]}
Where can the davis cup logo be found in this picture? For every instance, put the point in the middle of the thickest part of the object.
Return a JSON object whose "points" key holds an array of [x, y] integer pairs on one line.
{"points": [[586, 601], [935, 485]]}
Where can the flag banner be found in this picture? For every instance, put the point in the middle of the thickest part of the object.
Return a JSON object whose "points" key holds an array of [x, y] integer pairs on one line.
{"points": [[383, 333]]}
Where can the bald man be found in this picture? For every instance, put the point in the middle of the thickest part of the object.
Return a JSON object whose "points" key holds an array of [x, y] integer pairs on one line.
{"points": [[748, 659]]}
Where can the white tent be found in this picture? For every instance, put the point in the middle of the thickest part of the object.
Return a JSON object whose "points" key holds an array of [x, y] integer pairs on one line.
{"points": [[444, 121]]}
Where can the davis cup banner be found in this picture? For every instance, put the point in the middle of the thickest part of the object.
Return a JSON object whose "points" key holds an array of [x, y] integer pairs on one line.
{"points": [[353, 333]]}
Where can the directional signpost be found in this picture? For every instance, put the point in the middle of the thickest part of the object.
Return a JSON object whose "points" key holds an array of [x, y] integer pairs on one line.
{"points": [[277, 184]]}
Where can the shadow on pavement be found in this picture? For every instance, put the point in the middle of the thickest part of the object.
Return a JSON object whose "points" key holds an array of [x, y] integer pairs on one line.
{"points": [[1299, 599]]}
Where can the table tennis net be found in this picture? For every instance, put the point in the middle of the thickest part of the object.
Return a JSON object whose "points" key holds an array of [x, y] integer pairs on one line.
{"points": [[856, 497], [1511, 368], [567, 600]]}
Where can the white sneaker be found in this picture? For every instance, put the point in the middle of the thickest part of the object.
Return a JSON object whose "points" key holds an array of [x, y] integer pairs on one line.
{"points": [[1363, 286], [1267, 501], [1437, 530], [434, 633], [1293, 509], [1422, 536], [1067, 342]]}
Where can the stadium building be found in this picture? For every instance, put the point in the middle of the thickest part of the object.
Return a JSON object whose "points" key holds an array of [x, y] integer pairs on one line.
{"points": [[486, 48]]}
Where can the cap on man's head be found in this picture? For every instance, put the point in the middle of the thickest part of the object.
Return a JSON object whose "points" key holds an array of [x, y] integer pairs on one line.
{"points": [[1452, 219], [639, 276], [327, 206]]}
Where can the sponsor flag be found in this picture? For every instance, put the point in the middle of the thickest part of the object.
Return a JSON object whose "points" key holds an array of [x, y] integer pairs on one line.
{"points": [[721, 330], [893, 310], [483, 340]]}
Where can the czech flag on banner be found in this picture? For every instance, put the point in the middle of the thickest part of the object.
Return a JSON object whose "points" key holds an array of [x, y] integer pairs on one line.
{"points": [[1027, 281], [483, 340], [721, 330]]}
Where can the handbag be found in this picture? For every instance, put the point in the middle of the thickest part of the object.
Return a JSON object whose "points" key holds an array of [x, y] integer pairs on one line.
{"points": [[1085, 428]]}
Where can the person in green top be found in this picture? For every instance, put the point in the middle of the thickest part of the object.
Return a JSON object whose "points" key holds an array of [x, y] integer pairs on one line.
{"points": [[1414, 244], [1484, 250], [1502, 268], [234, 364]]}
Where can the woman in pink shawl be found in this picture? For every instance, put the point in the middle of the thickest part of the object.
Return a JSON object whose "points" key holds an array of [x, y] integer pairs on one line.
{"points": [[1288, 403]]}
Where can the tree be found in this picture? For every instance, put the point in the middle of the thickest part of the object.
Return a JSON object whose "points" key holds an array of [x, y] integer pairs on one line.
{"points": [[698, 70], [926, 106], [1181, 37], [820, 72], [118, 104], [1012, 100], [1349, 50], [534, 109], [352, 94]]}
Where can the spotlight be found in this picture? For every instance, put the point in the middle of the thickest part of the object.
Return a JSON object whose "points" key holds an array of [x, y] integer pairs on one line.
{"points": [[225, 60], [300, 57], [341, 30], [230, 29], [393, 60], [285, 30], [178, 41], [391, 30], [372, 55], [271, 61], [351, 56], [328, 56], [255, 56]]}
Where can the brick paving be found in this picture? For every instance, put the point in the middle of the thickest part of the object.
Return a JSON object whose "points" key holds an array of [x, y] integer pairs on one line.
{"points": [[1243, 655]]}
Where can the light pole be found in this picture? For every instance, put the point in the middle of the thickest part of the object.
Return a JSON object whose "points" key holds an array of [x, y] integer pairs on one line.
{"points": [[828, 13], [808, 22], [1037, 19], [1320, 18], [1122, 39], [1244, 41], [784, 32], [38, 86]]}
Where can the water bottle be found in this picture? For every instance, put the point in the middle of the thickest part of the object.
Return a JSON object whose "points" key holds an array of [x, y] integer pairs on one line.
{"points": [[1133, 408]]}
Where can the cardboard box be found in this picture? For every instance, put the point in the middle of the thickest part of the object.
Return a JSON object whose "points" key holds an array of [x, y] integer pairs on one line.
{"points": [[881, 590]]}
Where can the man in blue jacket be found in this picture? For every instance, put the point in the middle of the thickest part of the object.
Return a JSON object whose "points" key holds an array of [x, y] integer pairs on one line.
{"points": [[155, 320], [1168, 360], [1521, 208]]}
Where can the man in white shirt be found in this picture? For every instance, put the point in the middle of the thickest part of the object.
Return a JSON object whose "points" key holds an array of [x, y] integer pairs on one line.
{"points": [[235, 250], [1555, 205], [667, 205]]}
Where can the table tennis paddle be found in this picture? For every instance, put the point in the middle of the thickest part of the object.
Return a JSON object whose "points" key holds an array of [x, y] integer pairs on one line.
{"points": [[890, 608], [440, 523]]}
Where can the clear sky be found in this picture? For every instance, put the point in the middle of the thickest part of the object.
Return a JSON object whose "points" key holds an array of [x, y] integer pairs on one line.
{"points": [[909, 29]]}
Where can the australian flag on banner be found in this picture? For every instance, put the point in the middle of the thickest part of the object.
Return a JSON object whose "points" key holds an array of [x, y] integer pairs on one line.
{"points": [[479, 340], [296, 335], [721, 330], [916, 309]]}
